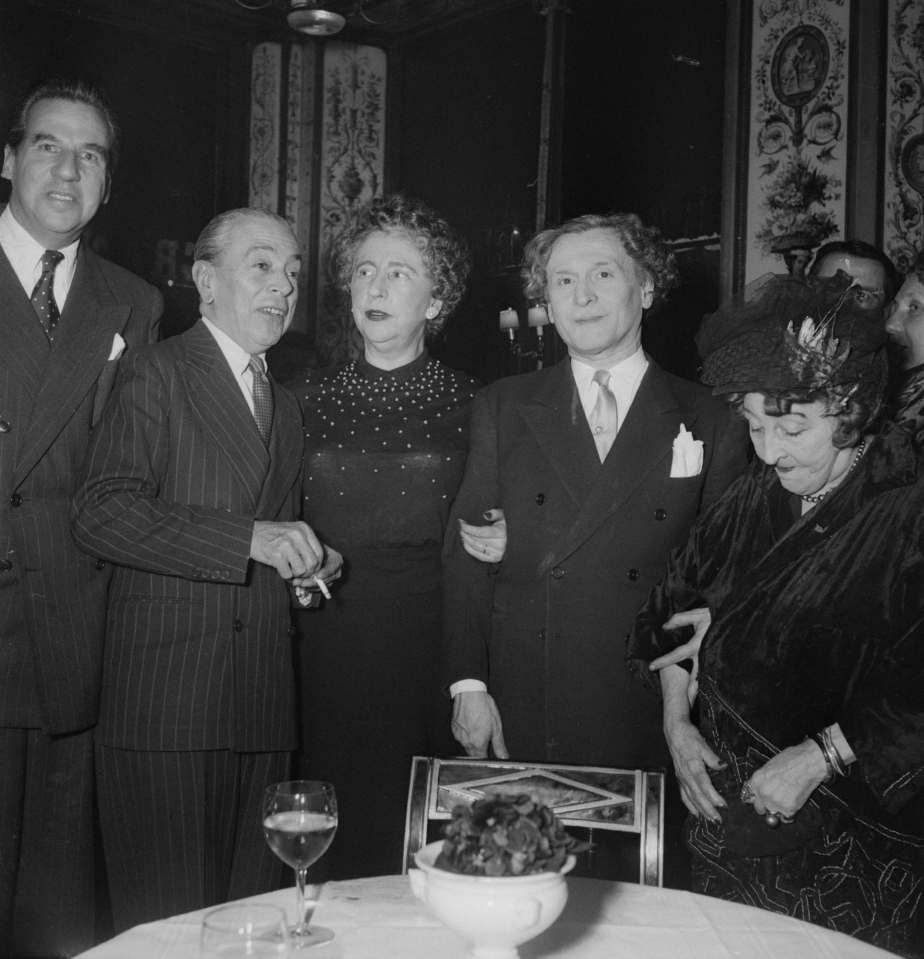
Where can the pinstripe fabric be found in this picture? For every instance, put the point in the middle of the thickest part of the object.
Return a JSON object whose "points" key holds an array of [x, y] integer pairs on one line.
{"points": [[198, 651], [52, 596], [201, 840]]}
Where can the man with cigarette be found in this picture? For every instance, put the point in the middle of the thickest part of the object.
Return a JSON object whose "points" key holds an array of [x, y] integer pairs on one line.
{"points": [[66, 315], [193, 488]]}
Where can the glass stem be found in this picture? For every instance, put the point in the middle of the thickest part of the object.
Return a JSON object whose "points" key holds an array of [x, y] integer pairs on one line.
{"points": [[302, 911]]}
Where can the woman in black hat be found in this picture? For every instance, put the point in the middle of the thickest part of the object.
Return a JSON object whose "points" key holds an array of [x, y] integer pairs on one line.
{"points": [[805, 584]]}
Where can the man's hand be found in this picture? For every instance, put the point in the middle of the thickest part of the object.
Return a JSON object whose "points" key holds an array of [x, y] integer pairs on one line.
{"points": [[476, 724], [700, 619], [485, 543], [307, 588], [291, 549]]}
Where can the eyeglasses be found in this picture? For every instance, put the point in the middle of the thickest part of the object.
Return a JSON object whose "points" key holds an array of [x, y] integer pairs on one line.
{"points": [[867, 297]]}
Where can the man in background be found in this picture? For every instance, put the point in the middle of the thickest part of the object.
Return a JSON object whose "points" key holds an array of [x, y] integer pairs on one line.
{"points": [[65, 317], [193, 488], [869, 266]]}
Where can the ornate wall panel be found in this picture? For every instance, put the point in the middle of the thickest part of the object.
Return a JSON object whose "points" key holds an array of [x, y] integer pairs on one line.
{"points": [[301, 116], [903, 220], [797, 157], [352, 168], [265, 94]]}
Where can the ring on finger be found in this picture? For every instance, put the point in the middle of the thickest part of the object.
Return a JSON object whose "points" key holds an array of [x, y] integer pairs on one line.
{"points": [[747, 793], [786, 820], [772, 819]]}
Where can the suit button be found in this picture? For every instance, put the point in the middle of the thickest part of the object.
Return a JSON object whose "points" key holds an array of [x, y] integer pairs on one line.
{"points": [[633, 574], [5, 426], [238, 626], [660, 514], [558, 572], [5, 565], [16, 500], [542, 635], [100, 564], [540, 499]]}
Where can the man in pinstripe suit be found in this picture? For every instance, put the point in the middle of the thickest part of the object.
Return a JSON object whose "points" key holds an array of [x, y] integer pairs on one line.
{"points": [[193, 489], [65, 315]]}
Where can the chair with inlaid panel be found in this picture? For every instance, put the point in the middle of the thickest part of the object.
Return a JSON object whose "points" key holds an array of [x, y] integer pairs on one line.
{"points": [[621, 811]]}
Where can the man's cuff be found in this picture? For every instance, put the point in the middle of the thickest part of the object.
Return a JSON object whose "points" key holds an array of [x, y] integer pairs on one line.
{"points": [[467, 686]]}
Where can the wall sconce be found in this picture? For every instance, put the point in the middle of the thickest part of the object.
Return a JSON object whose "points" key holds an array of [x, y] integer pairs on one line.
{"points": [[536, 317]]}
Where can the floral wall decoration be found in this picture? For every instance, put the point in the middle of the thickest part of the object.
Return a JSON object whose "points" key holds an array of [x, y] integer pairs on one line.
{"points": [[903, 220], [346, 113], [352, 170], [264, 126], [798, 129]]}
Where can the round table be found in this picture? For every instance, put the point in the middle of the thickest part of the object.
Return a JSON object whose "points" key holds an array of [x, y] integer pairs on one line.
{"points": [[378, 918]]}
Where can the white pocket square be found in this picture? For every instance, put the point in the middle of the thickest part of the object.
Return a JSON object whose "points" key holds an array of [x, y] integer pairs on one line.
{"points": [[688, 455], [118, 347]]}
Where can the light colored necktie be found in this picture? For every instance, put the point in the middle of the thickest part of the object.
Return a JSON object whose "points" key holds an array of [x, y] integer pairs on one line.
{"points": [[262, 397], [43, 296], [604, 417]]}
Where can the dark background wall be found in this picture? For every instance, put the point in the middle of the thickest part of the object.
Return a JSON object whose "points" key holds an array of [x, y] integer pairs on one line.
{"points": [[181, 95], [637, 126]]}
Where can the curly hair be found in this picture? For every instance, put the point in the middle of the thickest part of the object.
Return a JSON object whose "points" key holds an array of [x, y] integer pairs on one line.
{"points": [[644, 245], [855, 409], [444, 252]]}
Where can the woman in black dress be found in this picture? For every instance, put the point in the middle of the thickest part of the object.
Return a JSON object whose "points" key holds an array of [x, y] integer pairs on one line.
{"points": [[386, 439]]}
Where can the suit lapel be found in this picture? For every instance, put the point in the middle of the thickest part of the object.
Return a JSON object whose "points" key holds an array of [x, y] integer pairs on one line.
{"points": [[554, 415], [286, 444], [222, 409], [90, 319], [25, 345], [641, 448]]}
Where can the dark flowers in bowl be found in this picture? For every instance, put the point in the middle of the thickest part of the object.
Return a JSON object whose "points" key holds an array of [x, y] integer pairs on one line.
{"points": [[505, 836]]}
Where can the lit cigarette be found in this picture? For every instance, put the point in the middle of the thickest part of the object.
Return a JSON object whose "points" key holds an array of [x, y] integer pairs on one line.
{"points": [[323, 587]]}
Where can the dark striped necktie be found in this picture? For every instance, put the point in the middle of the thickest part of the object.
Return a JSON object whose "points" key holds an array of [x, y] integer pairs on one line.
{"points": [[43, 296], [262, 397]]}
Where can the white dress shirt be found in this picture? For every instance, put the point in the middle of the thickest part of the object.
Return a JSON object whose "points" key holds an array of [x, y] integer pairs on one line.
{"points": [[625, 379], [238, 359], [25, 256]]}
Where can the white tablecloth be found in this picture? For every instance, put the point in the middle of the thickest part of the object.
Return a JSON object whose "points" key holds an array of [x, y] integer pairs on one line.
{"points": [[379, 918]]}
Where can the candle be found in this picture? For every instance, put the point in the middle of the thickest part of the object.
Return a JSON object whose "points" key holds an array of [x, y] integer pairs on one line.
{"points": [[537, 316], [509, 319]]}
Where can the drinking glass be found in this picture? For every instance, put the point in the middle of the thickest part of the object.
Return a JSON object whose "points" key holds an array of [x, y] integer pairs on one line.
{"points": [[299, 821], [251, 929]]}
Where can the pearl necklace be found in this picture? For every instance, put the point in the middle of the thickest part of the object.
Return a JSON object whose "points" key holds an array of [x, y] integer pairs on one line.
{"points": [[818, 497]]}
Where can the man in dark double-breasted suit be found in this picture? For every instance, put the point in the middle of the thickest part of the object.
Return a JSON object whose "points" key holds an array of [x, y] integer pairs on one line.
{"points": [[193, 488], [66, 315], [581, 457]]}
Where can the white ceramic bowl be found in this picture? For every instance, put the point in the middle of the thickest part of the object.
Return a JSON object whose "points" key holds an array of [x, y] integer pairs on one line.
{"points": [[493, 914]]}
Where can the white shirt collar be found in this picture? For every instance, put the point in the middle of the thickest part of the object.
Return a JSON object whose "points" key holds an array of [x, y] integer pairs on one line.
{"points": [[25, 256], [237, 358], [625, 379]]}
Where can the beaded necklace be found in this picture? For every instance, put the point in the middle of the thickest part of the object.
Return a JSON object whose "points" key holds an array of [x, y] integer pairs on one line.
{"points": [[818, 497]]}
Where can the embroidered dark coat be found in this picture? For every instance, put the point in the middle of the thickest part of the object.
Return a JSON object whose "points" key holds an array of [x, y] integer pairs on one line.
{"points": [[817, 623]]}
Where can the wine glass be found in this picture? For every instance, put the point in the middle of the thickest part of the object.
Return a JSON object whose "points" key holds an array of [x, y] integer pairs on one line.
{"points": [[299, 822], [248, 929]]}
